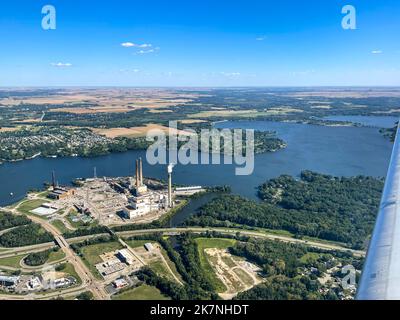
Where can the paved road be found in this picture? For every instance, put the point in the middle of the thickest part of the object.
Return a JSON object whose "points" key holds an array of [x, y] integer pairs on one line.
{"points": [[9, 252], [86, 276], [254, 234], [88, 280]]}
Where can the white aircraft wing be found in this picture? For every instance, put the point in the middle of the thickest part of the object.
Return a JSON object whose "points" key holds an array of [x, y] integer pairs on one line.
{"points": [[380, 279]]}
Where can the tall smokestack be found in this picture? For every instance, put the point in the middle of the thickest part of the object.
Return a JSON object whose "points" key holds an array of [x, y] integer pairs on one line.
{"points": [[53, 178], [141, 171], [137, 173]]}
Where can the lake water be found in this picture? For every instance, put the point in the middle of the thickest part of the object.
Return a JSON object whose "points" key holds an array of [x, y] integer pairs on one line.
{"points": [[191, 208], [371, 121], [340, 151]]}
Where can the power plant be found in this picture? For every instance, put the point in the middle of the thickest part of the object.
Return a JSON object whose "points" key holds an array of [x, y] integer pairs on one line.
{"points": [[144, 201], [118, 200]]}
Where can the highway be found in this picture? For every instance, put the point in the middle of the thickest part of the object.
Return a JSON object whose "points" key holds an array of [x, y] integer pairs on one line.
{"points": [[254, 234], [86, 276], [97, 287]]}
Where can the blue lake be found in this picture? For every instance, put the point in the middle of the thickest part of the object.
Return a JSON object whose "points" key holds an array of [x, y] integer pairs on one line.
{"points": [[340, 151]]}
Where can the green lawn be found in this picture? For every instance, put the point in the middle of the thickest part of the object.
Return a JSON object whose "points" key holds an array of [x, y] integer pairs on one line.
{"points": [[60, 226], [160, 268], [143, 292], [56, 256], [43, 194], [29, 205], [171, 265], [12, 262], [91, 254], [204, 243], [136, 243]]}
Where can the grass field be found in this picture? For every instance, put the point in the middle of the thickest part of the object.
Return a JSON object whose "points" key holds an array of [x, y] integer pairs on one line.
{"points": [[171, 265], [160, 268], [12, 262], [204, 243], [91, 254], [43, 194], [56, 256], [29, 205], [143, 292], [136, 243], [60, 226]]}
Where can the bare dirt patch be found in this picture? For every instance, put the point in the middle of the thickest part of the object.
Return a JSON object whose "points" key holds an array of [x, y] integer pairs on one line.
{"points": [[237, 274]]}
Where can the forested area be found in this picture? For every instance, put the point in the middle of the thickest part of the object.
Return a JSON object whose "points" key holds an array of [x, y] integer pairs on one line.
{"points": [[35, 259], [321, 206], [290, 271], [283, 288], [8, 221], [25, 235], [184, 254]]}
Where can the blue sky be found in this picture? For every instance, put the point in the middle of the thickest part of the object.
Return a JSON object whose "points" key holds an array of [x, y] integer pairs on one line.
{"points": [[199, 43]]}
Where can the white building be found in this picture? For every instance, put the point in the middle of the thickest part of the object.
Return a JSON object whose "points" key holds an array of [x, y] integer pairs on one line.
{"points": [[126, 256], [120, 283], [34, 284], [144, 204], [149, 247]]}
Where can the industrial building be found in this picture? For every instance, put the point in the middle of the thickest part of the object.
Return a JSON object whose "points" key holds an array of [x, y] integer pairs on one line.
{"points": [[8, 281], [149, 247], [120, 283], [34, 284], [188, 191], [60, 193], [143, 201], [125, 256]]}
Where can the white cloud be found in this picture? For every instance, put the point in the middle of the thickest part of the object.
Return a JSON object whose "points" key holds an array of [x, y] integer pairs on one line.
{"points": [[127, 44], [148, 51], [135, 45], [145, 51], [61, 65], [261, 38], [377, 52]]}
